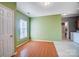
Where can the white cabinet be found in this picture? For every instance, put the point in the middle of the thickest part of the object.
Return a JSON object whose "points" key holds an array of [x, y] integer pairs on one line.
{"points": [[75, 37], [6, 31]]}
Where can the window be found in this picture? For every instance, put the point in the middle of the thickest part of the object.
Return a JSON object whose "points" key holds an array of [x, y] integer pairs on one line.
{"points": [[23, 29]]}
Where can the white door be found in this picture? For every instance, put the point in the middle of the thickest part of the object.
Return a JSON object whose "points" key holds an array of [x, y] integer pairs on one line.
{"points": [[1, 31], [7, 29]]}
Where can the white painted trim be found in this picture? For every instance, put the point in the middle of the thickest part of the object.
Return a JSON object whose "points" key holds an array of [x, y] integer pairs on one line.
{"points": [[41, 40], [22, 43]]}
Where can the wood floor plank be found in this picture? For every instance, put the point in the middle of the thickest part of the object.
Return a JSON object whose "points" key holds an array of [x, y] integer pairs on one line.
{"points": [[37, 49]]}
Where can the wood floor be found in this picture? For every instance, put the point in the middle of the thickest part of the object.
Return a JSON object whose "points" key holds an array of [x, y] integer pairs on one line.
{"points": [[37, 49]]}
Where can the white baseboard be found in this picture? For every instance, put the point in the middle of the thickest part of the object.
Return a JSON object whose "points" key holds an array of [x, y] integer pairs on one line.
{"points": [[22, 43], [41, 40]]}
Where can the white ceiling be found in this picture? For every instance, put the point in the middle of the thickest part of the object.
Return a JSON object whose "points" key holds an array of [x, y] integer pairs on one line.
{"points": [[37, 9]]}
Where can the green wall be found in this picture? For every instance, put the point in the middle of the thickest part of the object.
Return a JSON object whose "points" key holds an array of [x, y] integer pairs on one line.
{"points": [[19, 16], [11, 5], [46, 28]]}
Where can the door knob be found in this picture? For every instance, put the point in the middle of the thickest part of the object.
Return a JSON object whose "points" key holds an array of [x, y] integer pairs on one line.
{"points": [[11, 35]]}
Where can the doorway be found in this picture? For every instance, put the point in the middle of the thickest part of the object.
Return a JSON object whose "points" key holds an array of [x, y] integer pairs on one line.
{"points": [[65, 30]]}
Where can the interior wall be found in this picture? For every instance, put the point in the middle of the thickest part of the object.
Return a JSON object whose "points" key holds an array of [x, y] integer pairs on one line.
{"points": [[19, 16], [72, 23], [46, 28], [11, 5]]}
